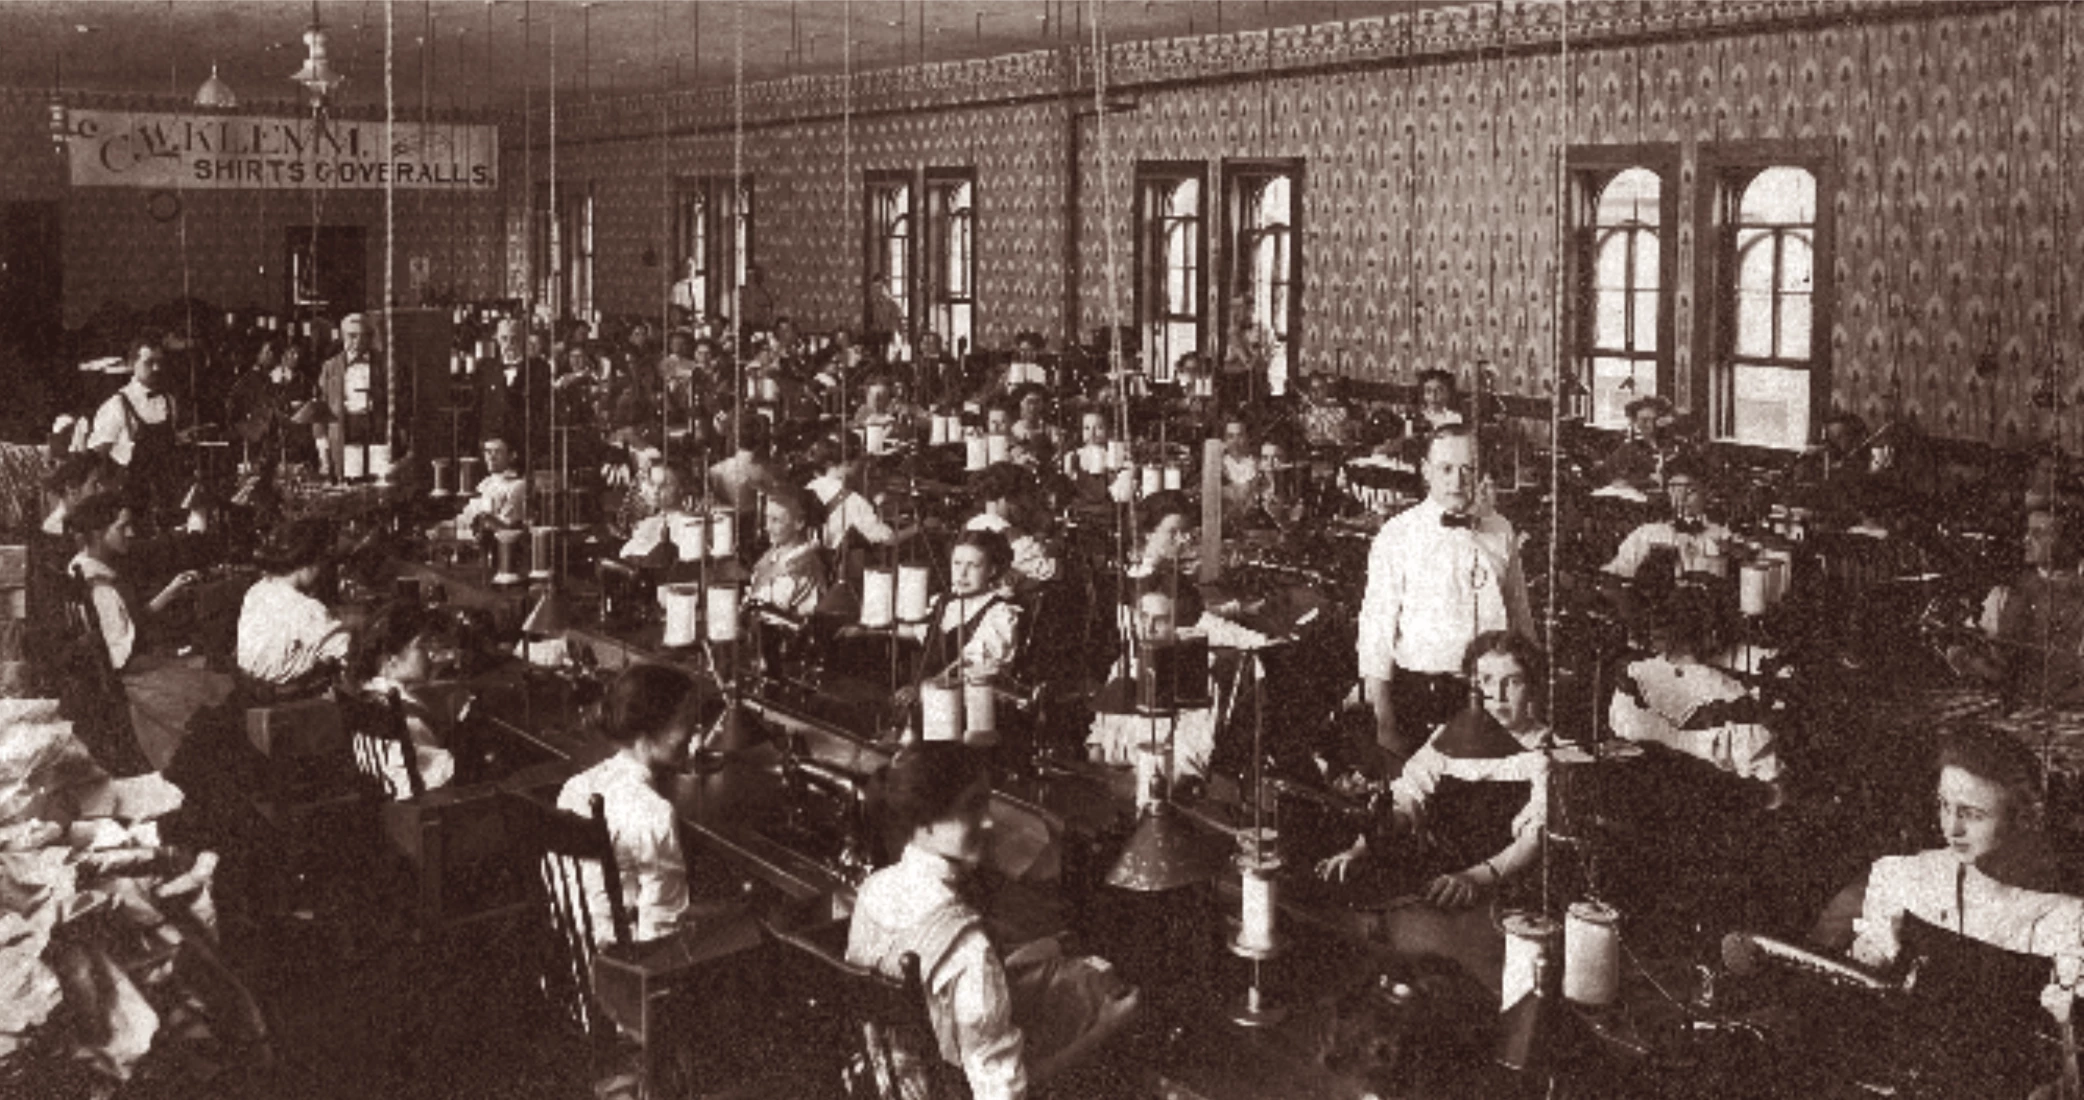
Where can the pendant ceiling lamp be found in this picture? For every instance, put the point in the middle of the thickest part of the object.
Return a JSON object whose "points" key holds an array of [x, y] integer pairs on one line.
{"points": [[215, 93], [318, 75]]}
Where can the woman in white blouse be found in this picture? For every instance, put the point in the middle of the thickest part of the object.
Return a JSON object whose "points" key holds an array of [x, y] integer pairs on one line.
{"points": [[790, 576], [163, 690], [285, 635], [392, 656]]}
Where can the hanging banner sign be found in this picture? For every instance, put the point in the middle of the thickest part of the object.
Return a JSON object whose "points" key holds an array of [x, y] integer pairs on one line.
{"points": [[175, 151]]}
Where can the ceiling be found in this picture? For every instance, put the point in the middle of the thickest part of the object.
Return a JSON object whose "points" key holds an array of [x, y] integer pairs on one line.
{"points": [[602, 48]]}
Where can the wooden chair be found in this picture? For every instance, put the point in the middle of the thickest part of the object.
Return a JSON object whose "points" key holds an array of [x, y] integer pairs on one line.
{"points": [[94, 696], [563, 844], [377, 728], [869, 1026]]}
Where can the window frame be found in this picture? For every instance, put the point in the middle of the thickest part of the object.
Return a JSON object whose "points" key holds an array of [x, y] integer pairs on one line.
{"points": [[727, 233], [1723, 171], [1589, 169], [1236, 259], [1173, 172], [563, 222], [938, 220], [873, 240]]}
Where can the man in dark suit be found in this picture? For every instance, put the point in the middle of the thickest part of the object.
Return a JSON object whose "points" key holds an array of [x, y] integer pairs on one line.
{"points": [[514, 396], [353, 385]]}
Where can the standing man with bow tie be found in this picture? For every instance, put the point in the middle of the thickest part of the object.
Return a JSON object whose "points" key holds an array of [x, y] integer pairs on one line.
{"points": [[352, 384], [1439, 574], [514, 396]]}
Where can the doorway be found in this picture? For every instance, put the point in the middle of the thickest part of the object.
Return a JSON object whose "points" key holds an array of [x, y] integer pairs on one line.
{"points": [[32, 328], [327, 268]]}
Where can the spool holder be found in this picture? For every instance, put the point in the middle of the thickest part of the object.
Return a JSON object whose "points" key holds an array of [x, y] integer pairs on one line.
{"points": [[1255, 1009]]}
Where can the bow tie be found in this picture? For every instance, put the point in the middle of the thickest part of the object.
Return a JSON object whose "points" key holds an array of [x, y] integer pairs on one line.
{"points": [[1457, 519], [1690, 526]]}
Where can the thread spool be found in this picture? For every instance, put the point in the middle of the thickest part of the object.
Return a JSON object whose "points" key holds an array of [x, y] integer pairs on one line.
{"points": [[1781, 564], [976, 452], [877, 435], [878, 597], [723, 533], [469, 471], [1530, 951], [1260, 901], [1592, 954], [940, 710], [1754, 588], [912, 595], [1153, 480], [1117, 454], [354, 462], [770, 388], [937, 431], [1172, 477], [542, 552], [690, 534], [998, 447], [442, 487], [980, 714], [380, 461], [683, 604], [723, 612], [509, 542]]}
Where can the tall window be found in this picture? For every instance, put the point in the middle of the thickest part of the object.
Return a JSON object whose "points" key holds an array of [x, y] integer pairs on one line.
{"points": [[1261, 306], [1623, 297], [888, 274], [1169, 247], [563, 249], [712, 243], [951, 227], [1770, 379]]}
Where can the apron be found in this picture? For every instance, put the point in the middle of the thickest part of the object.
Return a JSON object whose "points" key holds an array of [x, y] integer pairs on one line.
{"points": [[943, 648], [153, 477]]}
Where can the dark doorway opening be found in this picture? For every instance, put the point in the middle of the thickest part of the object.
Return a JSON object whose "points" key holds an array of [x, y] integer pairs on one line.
{"points": [[32, 324], [328, 269]]}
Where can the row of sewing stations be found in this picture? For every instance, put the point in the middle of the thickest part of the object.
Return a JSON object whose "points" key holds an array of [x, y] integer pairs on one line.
{"points": [[1268, 982]]}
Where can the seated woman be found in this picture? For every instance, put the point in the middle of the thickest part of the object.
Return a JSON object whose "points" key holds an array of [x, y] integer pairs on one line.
{"points": [[1093, 470], [1120, 731], [1240, 462], [2036, 623], [972, 628], [1032, 404], [164, 691], [999, 489], [1677, 700], [285, 634], [839, 491], [1636, 464], [790, 576], [1436, 407], [1171, 542], [391, 655], [1977, 918], [1275, 497], [1474, 798], [1009, 1024], [663, 497], [500, 498]]}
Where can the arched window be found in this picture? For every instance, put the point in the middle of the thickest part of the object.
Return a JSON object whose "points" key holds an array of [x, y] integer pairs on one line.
{"points": [[1626, 291], [889, 261], [1769, 303], [1262, 207], [951, 233], [1169, 245]]}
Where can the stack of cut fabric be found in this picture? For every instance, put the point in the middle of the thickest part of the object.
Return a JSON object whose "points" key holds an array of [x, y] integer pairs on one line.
{"points": [[99, 918]]}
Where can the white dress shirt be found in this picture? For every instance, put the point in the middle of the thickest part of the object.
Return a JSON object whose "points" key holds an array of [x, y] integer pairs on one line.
{"points": [[1933, 886], [1432, 589], [284, 634], [647, 848], [1671, 695], [112, 421]]}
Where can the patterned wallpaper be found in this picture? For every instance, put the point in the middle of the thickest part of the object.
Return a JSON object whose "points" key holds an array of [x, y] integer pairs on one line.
{"points": [[807, 225], [1429, 206]]}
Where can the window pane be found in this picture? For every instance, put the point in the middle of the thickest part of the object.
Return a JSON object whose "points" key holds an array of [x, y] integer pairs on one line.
{"points": [[1644, 336], [1797, 263], [1610, 265], [1180, 338], [1615, 384], [1755, 293], [1273, 203], [1609, 319], [1630, 198], [1794, 327], [1779, 196], [1185, 199], [1771, 406], [1646, 252]]}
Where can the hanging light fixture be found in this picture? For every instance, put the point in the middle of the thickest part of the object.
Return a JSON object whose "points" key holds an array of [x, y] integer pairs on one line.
{"points": [[318, 75], [215, 93]]}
